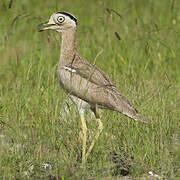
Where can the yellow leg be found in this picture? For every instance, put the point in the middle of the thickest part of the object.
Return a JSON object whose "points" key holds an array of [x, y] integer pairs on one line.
{"points": [[100, 128], [84, 129]]}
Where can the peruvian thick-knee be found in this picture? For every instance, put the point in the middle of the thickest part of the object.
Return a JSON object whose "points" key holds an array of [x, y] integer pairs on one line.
{"points": [[88, 86]]}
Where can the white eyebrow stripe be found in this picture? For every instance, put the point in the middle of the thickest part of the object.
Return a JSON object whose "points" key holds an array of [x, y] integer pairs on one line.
{"points": [[69, 69]]}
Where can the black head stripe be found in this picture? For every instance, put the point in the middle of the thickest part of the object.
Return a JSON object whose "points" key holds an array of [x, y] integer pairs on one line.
{"points": [[69, 15]]}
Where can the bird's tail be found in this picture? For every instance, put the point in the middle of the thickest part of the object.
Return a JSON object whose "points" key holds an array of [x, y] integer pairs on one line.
{"points": [[139, 118]]}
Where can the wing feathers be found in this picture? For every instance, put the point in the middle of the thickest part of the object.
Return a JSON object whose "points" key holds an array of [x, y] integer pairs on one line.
{"points": [[110, 96]]}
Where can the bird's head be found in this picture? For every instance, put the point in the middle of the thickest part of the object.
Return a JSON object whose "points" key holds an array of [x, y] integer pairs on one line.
{"points": [[59, 21]]}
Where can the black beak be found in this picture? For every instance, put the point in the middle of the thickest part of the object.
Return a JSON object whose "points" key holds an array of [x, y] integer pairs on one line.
{"points": [[42, 25]]}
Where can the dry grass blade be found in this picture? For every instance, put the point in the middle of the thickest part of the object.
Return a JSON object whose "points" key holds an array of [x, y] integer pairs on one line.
{"points": [[10, 4], [112, 10], [117, 35]]}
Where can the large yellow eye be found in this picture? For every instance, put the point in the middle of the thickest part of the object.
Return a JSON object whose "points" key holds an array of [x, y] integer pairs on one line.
{"points": [[61, 19]]}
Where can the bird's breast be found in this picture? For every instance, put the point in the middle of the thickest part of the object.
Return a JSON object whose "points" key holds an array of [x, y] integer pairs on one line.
{"points": [[68, 78]]}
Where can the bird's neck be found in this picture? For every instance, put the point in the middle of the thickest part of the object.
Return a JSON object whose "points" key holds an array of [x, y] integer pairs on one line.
{"points": [[68, 47]]}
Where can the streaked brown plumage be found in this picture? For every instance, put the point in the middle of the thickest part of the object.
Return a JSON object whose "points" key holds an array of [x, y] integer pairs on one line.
{"points": [[93, 86], [88, 86]]}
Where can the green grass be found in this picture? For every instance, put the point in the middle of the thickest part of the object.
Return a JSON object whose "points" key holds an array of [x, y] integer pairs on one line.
{"points": [[144, 64]]}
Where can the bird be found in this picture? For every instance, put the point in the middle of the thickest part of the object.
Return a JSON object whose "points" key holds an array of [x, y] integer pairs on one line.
{"points": [[87, 85]]}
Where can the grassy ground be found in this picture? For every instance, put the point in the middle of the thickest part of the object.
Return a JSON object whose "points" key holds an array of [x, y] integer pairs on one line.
{"points": [[39, 140]]}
